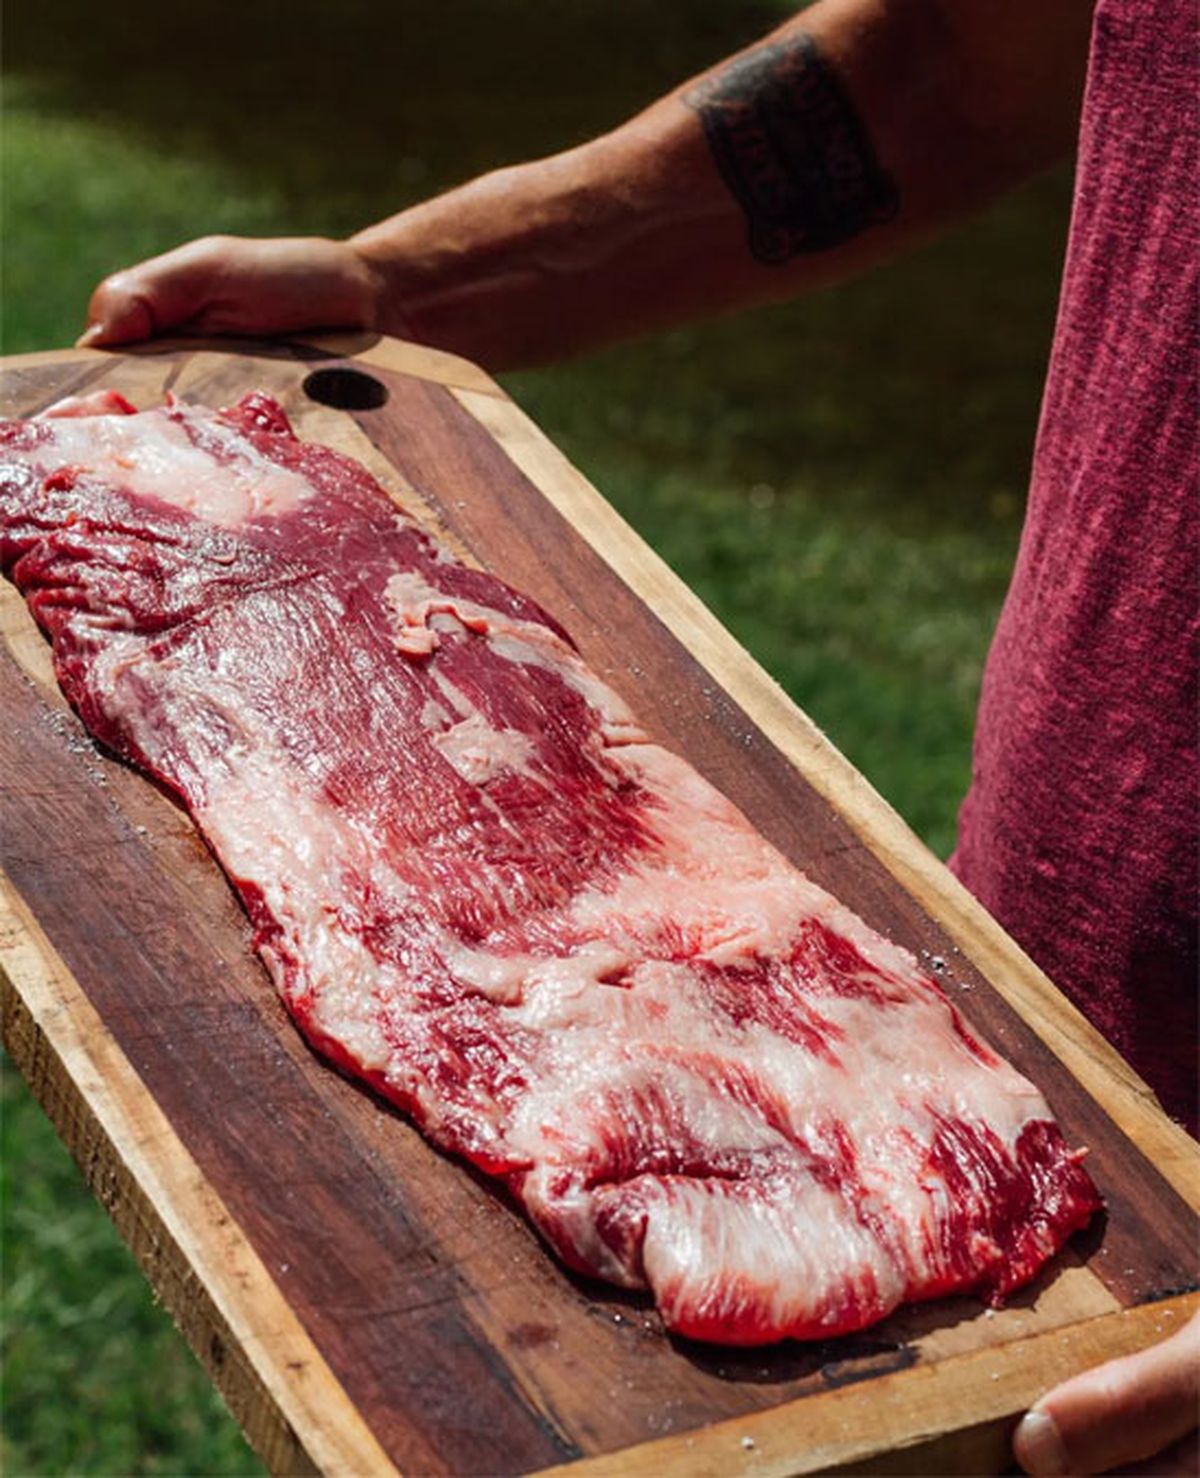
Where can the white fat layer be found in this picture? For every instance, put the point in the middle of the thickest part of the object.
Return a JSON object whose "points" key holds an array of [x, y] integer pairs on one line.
{"points": [[151, 455], [479, 753], [98, 403], [798, 1249], [419, 611], [435, 718], [268, 829], [908, 1053]]}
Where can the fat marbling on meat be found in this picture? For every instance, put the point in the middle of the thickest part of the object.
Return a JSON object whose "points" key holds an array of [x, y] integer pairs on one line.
{"points": [[479, 886]]}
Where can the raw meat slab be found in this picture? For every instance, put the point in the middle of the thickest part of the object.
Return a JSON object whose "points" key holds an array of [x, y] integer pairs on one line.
{"points": [[481, 887], [825, 842]]}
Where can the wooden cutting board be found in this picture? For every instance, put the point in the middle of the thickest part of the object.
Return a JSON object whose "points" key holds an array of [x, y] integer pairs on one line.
{"points": [[366, 1305]]}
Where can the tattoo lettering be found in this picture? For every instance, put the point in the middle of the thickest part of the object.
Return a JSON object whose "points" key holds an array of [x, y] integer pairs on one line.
{"points": [[792, 151]]}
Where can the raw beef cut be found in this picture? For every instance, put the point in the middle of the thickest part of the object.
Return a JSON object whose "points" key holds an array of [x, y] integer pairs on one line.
{"points": [[481, 888]]}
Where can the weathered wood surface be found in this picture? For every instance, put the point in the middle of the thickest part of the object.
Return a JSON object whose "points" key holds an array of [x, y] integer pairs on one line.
{"points": [[363, 1302]]}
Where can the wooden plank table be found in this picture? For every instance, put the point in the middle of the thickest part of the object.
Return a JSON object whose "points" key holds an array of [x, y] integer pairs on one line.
{"points": [[365, 1305]]}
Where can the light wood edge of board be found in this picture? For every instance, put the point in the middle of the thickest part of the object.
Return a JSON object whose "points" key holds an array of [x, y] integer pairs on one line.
{"points": [[1128, 1101], [365, 349], [48, 356], [906, 1431], [142, 349], [404, 356], [295, 1414]]}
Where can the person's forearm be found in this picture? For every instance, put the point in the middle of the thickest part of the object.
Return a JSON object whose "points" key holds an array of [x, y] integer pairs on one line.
{"points": [[855, 129]]}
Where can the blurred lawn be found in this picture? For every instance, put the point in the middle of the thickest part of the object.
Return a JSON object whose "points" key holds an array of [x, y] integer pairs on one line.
{"points": [[842, 480]]}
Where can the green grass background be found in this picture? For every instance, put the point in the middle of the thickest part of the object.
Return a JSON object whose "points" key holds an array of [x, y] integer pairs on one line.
{"points": [[841, 479]]}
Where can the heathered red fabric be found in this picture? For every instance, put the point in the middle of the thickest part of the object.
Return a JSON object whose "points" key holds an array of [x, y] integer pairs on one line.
{"points": [[1080, 829]]}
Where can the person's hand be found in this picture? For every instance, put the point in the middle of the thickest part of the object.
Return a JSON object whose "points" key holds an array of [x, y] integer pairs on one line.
{"points": [[235, 285], [1139, 1407]]}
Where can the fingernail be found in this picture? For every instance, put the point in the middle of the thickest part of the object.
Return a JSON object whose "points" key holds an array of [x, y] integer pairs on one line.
{"points": [[1038, 1446]]}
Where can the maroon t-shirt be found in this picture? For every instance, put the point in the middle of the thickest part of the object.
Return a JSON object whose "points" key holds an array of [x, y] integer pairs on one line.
{"points": [[1080, 829]]}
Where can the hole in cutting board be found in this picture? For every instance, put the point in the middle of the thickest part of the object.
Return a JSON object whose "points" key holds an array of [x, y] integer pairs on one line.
{"points": [[345, 389]]}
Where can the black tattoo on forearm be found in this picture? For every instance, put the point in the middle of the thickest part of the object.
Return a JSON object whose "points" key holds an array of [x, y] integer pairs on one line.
{"points": [[792, 150]]}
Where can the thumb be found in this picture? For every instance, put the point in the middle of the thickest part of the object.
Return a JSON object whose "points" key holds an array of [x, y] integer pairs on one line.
{"points": [[118, 313], [154, 296], [1118, 1414]]}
